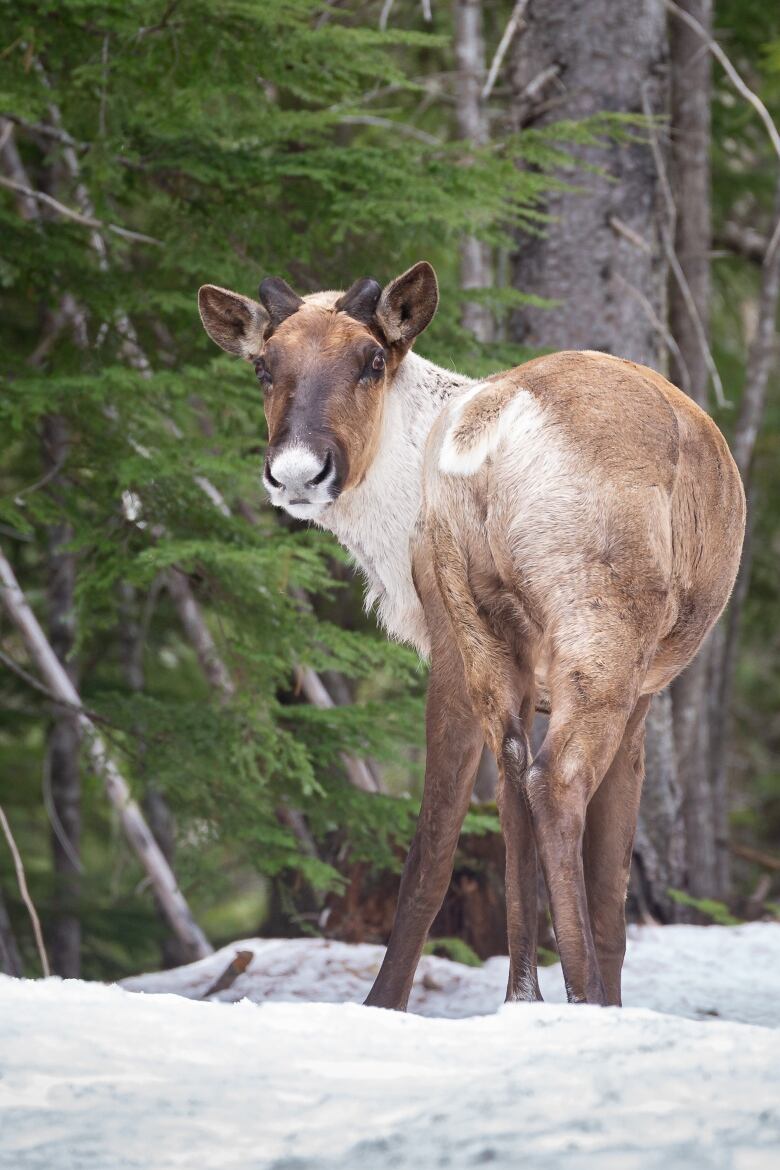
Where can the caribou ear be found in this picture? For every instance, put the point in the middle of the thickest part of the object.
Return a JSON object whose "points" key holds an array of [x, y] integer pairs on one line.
{"points": [[360, 301], [236, 323], [278, 299], [408, 303]]}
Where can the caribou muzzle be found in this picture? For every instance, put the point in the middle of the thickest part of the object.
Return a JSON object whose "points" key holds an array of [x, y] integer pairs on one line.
{"points": [[301, 480]]}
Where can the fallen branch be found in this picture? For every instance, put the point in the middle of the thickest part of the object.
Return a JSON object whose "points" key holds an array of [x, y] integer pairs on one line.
{"points": [[131, 818], [238, 966], [23, 890]]}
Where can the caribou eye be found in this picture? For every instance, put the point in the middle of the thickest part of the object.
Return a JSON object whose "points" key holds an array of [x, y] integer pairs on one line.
{"points": [[374, 366], [262, 371]]}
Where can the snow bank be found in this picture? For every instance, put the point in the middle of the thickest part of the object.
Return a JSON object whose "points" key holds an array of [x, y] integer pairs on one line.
{"points": [[700, 972], [94, 1076]]}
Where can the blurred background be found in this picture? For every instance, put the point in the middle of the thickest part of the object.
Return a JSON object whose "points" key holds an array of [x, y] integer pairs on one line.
{"points": [[582, 173]]}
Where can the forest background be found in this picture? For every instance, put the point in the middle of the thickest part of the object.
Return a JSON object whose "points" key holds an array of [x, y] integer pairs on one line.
{"points": [[582, 173]]}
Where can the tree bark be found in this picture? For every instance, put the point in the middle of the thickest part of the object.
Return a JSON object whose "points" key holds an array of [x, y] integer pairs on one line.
{"points": [[472, 122], [603, 238], [63, 738], [601, 259]]}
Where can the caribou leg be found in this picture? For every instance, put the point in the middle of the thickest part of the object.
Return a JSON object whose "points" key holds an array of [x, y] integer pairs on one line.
{"points": [[454, 745], [610, 824], [521, 861], [499, 677]]}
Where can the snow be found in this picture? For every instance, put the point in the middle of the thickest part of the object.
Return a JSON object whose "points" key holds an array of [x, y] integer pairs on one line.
{"points": [[687, 1075]]}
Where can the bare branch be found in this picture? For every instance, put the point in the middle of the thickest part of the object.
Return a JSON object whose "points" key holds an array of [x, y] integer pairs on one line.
{"points": [[661, 329], [23, 890], [742, 241], [503, 45], [198, 633], [316, 693], [384, 15], [667, 238], [27, 678], [76, 216], [391, 124], [57, 826], [740, 86], [629, 234], [757, 856], [45, 131]]}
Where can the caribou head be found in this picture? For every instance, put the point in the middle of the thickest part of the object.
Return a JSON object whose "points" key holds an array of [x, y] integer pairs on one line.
{"points": [[325, 363]]}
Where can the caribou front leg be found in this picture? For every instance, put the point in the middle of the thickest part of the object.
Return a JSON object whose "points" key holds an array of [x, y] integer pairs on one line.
{"points": [[454, 744]]}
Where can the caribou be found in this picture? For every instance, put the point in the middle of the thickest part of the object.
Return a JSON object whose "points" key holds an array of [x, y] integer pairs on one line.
{"points": [[560, 536]]}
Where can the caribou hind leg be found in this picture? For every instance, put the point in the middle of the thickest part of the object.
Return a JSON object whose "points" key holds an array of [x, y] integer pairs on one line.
{"points": [[610, 824], [588, 730], [500, 682], [521, 861]]}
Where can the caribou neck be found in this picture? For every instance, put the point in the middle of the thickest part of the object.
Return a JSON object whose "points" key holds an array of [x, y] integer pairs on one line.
{"points": [[375, 520]]}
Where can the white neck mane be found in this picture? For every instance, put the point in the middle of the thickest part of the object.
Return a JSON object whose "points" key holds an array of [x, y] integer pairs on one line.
{"points": [[375, 520]]}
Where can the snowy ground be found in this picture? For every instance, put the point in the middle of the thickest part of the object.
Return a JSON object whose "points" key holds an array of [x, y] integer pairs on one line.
{"points": [[686, 1076]]}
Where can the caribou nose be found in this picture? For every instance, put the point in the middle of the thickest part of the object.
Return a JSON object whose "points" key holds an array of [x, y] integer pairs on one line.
{"points": [[296, 470]]}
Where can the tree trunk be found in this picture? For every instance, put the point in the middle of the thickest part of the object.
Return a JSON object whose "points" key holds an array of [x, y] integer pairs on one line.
{"points": [[63, 739], [10, 959], [471, 117], [689, 176], [600, 256], [601, 259]]}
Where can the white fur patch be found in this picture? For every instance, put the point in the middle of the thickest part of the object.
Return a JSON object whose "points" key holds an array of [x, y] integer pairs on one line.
{"points": [[519, 418], [293, 469], [296, 464], [376, 519]]}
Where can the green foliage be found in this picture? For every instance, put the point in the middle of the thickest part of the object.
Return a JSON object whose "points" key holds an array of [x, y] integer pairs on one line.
{"points": [[717, 912], [455, 949]]}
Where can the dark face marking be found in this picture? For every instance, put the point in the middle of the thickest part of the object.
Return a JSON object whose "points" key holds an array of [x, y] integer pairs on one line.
{"points": [[323, 374]]}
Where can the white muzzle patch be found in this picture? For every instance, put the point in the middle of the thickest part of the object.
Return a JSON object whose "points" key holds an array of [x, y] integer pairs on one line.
{"points": [[300, 481]]}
